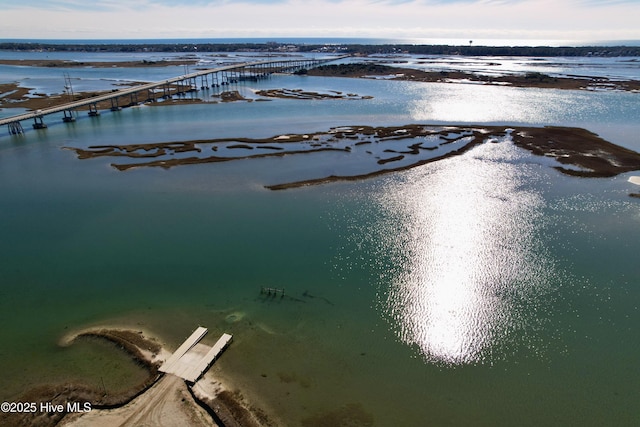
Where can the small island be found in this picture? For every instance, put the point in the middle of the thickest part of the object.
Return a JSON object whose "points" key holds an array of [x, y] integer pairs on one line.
{"points": [[530, 79], [381, 150]]}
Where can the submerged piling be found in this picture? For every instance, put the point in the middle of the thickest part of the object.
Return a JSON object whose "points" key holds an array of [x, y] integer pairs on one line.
{"points": [[272, 291]]}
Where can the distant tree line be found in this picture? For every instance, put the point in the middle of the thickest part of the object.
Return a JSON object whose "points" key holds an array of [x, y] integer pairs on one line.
{"points": [[608, 51], [142, 47], [549, 51]]}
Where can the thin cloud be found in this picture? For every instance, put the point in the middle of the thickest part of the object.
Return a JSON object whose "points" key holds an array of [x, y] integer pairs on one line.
{"points": [[412, 19], [606, 3]]}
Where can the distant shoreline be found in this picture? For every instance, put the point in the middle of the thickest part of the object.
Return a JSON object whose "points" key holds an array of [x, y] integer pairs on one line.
{"points": [[530, 79], [317, 45]]}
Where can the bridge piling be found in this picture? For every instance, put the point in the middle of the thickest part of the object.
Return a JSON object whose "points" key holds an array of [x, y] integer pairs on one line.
{"points": [[68, 116], [133, 99], [38, 123], [93, 110], [15, 128], [178, 86], [114, 104]]}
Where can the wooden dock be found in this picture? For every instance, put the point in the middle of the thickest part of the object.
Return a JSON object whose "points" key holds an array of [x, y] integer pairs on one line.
{"points": [[192, 359]]}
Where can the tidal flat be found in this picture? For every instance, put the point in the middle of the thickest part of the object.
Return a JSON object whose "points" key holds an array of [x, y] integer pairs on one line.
{"points": [[582, 153]]}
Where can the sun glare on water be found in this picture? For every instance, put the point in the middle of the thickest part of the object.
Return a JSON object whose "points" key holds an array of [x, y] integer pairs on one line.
{"points": [[468, 268]]}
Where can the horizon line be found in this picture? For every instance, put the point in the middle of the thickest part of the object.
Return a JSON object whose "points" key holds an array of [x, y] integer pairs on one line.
{"points": [[301, 40]]}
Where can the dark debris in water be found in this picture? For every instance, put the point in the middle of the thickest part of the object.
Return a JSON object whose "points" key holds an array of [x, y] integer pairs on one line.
{"points": [[349, 415]]}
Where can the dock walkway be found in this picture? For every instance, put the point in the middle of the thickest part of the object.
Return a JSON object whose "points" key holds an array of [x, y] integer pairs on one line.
{"points": [[192, 359]]}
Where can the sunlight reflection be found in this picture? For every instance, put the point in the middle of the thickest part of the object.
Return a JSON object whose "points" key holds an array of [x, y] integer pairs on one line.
{"points": [[477, 103], [467, 254]]}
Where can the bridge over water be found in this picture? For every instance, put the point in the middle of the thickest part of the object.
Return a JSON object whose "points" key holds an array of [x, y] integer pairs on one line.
{"points": [[149, 92]]}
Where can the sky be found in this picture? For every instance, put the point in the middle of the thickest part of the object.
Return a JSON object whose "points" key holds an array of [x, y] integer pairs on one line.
{"points": [[415, 20]]}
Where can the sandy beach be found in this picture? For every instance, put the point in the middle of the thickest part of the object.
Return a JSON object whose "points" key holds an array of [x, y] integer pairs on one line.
{"points": [[162, 400], [167, 403]]}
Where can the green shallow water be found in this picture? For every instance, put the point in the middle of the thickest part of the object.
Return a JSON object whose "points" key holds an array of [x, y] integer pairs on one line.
{"points": [[170, 260], [486, 289]]}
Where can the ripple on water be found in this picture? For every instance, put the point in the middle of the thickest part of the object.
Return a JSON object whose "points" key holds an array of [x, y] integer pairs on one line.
{"points": [[471, 269]]}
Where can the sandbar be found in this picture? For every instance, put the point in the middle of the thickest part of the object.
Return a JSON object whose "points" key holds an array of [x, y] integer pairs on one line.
{"points": [[161, 400]]}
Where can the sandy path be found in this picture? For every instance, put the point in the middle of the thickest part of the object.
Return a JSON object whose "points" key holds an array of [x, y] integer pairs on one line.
{"points": [[167, 404]]}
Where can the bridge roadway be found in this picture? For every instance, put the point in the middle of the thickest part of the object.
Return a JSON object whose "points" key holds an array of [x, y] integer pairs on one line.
{"points": [[257, 66]]}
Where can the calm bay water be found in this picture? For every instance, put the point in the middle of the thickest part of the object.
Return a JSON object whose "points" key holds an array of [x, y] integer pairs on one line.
{"points": [[485, 289]]}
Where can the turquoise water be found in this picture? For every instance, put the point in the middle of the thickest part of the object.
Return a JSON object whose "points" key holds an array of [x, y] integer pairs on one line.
{"points": [[486, 289]]}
